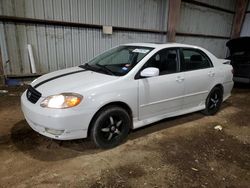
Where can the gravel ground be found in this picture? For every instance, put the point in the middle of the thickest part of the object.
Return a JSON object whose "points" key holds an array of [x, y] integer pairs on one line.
{"points": [[185, 151]]}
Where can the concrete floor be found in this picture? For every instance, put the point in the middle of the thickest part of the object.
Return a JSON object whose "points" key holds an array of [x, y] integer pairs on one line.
{"points": [[185, 151]]}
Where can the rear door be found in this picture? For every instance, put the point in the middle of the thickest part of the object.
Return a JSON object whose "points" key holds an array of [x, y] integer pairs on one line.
{"points": [[162, 94], [199, 76]]}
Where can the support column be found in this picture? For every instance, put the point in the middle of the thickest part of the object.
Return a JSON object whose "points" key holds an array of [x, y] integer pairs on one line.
{"points": [[240, 10], [173, 18]]}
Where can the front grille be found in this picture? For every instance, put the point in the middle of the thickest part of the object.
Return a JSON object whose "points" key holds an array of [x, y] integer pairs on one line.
{"points": [[33, 95]]}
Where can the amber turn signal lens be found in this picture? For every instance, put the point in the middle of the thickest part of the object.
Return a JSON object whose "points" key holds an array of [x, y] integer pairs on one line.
{"points": [[72, 101]]}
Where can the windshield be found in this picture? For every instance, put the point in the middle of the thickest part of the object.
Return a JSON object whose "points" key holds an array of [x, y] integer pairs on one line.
{"points": [[118, 61]]}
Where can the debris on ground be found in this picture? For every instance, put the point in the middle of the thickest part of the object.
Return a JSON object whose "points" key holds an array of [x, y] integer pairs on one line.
{"points": [[218, 127], [194, 169], [3, 91]]}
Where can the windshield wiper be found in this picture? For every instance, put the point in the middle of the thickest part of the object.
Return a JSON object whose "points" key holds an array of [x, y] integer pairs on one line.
{"points": [[104, 68], [87, 66]]}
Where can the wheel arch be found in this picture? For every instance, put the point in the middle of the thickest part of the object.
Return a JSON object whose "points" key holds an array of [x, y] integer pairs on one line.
{"points": [[115, 103], [219, 86]]}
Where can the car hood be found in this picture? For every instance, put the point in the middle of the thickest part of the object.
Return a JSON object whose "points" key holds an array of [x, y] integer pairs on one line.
{"points": [[73, 79]]}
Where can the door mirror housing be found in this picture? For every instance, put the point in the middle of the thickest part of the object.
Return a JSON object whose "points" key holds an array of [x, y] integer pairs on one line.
{"points": [[150, 72]]}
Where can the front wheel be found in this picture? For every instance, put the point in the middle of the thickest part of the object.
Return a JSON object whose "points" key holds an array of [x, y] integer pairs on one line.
{"points": [[110, 127], [213, 101]]}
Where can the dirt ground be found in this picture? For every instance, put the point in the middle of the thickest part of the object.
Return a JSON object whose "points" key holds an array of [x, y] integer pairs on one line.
{"points": [[185, 151]]}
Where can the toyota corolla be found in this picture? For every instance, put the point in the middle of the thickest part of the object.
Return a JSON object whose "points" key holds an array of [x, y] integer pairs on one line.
{"points": [[125, 88]]}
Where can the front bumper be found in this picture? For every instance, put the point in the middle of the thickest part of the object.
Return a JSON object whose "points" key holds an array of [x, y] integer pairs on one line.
{"points": [[60, 124]]}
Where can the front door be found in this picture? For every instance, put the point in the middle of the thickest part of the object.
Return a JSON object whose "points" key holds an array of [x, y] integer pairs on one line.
{"points": [[162, 94]]}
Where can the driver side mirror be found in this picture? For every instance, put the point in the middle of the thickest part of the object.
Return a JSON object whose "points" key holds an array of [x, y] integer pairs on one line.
{"points": [[149, 72]]}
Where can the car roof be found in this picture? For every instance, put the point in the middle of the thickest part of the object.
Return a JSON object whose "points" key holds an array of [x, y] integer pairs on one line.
{"points": [[162, 45]]}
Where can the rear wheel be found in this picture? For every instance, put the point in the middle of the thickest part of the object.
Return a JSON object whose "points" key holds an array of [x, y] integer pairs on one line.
{"points": [[213, 101], [110, 127]]}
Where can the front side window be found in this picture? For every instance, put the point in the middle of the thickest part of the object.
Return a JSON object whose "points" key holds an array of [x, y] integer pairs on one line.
{"points": [[194, 59], [118, 61], [165, 60]]}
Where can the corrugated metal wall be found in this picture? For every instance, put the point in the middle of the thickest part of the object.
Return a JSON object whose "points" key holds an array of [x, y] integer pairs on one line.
{"points": [[57, 47], [202, 20], [127, 13], [245, 31]]}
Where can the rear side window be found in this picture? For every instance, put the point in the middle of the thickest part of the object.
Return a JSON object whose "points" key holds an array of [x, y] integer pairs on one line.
{"points": [[194, 60]]}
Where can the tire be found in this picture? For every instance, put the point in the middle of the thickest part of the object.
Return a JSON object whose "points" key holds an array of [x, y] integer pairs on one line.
{"points": [[213, 101], [110, 127]]}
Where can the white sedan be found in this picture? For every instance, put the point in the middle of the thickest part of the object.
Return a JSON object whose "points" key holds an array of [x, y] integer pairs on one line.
{"points": [[125, 88]]}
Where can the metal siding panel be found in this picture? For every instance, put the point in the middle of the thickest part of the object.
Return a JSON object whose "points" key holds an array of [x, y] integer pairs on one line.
{"points": [[51, 45], [89, 11], [48, 10], [75, 47], [68, 47], [43, 48], [39, 9], [81, 11], [23, 41], [215, 46], [83, 46], [19, 8], [74, 10], [1, 7], [29, 9], [32, 39], [125, 13], [8, 8], [109, 12], [57, 9], [245, 31], [66, 10], [4, 49], [226, 4], [59, 41], [201, 20], [13, 49], [99, 12]]}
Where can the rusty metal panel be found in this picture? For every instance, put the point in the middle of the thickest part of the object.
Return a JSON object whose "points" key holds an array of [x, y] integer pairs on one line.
{"points": [[226, 4], [215, 46], [202, 20], [245, 31]]}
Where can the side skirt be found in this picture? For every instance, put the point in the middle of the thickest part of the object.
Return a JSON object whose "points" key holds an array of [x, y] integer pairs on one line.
{"points": [[138, 124]]}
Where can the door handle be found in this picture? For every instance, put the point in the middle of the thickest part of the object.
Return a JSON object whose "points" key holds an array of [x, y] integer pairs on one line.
{"points": [[180, 79], [211, 73]]}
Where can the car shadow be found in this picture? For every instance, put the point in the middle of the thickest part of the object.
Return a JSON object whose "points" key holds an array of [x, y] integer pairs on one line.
{"points": [[45, 149]]}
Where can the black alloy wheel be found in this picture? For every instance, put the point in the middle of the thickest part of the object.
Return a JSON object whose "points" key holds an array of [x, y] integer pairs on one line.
{"points": [[213, 101], [110, 127]]}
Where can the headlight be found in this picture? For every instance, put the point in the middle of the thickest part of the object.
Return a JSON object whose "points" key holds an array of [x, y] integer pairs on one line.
{"points": [[63, 100]]}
